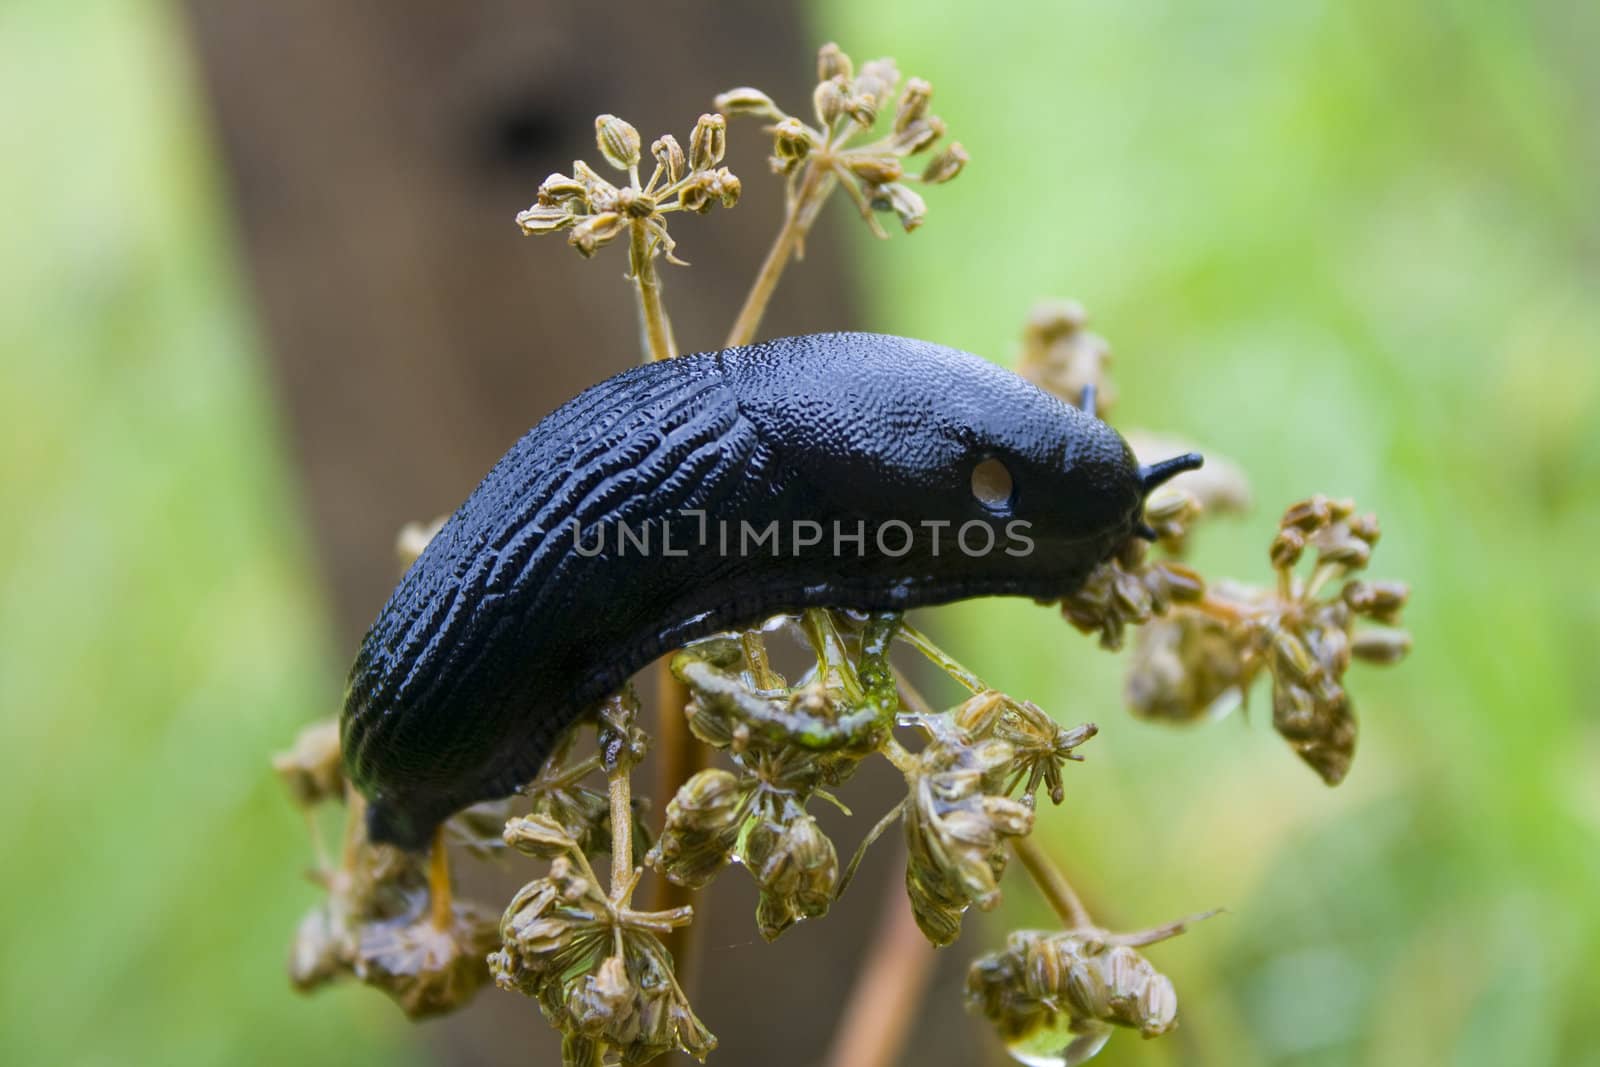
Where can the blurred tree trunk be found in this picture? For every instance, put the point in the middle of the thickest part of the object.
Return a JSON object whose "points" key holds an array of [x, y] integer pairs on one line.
{"points": [[377, 151]]}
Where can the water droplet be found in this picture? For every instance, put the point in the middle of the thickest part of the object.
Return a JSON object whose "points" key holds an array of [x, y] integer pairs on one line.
{"points": [[1063, 1044]]}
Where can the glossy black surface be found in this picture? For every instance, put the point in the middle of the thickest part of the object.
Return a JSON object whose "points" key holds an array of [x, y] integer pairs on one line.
{"points": [[502, 632]]}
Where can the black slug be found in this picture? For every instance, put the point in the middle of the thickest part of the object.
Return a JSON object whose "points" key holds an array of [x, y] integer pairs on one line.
{"points": [[707, 493]]}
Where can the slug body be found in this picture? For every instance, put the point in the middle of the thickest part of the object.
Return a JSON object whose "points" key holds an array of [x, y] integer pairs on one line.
{"points": [[621, 527]]}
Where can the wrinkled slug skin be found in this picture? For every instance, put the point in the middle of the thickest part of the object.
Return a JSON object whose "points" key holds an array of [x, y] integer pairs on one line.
{"points": [[502, 632]]}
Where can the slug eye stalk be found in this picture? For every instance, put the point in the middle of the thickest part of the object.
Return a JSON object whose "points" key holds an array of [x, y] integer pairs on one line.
{"points": [[1155, 475]]}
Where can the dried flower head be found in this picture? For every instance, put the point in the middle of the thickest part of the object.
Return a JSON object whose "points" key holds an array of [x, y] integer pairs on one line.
{"points": [[846, 106], [1201, 647], [794, 864], [786, 744], [593, 211], [1130, 589], [312, 768], [1062, 356], [1069, 989], [428, 969], [702, 827], [957, 822], [595, 965], [378, 926]]}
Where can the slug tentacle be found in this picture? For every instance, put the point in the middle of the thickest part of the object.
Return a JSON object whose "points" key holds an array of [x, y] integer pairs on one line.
{"points": [[706, 493], [1154, 475]]}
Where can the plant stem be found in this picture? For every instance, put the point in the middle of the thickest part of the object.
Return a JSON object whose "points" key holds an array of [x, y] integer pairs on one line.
{"points": [[355, 831], [441, 904], [677, 752], [795, 226], [890, 985], [657, 328], [755, 656], [940, 658], [1058, 892], [679, 759], [621, 790]]}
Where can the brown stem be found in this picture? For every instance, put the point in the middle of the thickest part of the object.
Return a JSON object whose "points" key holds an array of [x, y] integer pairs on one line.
{"points": [[795, 225], [1220, 610], [621, 791], [883, 1002], [441, 905], [1063, 899], [679, 759], [355, 829]]}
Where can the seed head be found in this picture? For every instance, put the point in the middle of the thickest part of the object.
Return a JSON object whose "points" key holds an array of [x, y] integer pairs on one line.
{"points": [[1059, 354], [957, 822], [1042, 977], [313, 769], [795, 866], [702, 828], [837, 152]]}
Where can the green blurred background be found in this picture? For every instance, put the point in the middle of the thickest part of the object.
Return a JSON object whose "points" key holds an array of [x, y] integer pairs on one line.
{"points": [[1355, 247]]}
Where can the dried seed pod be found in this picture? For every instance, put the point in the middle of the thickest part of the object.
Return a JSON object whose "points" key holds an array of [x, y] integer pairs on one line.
{"points": [[877, 81], [1381, 646], [833, 63], [946, 165], [702, 826], [595, 232], [311, 768], [875, 170], [617, 140], [746, 101], [1379, 601], [906, 204], [917, 136], [1287, 548], [913, 104], [791, 143], [708, 143], [829, 100], [558, 189], [669, 153], [539, 219], [539, 835]]}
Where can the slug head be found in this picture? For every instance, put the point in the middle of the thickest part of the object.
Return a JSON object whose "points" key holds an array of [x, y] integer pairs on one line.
{"points": [[956, 439]]}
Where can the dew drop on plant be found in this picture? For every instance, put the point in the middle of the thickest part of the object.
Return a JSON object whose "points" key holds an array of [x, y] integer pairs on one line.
{"points": [[1062, 1044]]}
